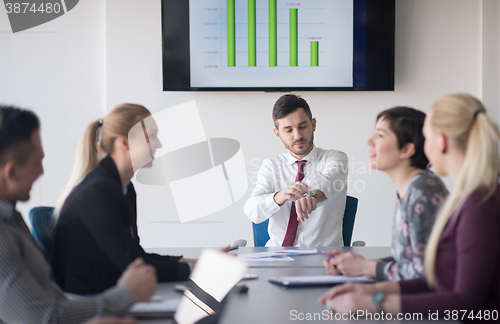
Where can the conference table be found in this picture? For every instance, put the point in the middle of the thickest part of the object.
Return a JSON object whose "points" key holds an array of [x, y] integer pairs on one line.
{"points": [[265, 302]]}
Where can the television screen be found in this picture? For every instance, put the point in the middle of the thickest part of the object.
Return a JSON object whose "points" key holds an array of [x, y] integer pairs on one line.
{"points": [[278, 45]]}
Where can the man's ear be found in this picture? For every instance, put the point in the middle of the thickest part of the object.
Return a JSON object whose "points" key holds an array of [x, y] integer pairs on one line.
{"points": [[314, 124], [408, 151], [276, 132], [9, 171]]}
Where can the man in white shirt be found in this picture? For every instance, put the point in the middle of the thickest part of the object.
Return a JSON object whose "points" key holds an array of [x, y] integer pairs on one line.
{"points": [[301, 192]]}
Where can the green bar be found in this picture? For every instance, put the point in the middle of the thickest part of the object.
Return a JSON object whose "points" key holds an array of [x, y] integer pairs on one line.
{"points": [[231, 35], [294, 40], [273, 37], [314, 53], [252, 38]]}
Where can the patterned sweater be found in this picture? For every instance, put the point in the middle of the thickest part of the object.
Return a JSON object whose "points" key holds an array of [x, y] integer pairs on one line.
{"points": [[414, 217]]}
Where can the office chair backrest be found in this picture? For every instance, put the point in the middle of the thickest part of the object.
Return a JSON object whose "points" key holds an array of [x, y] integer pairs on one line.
{"points": [[351, 207], [261, 235], [42, 228]]}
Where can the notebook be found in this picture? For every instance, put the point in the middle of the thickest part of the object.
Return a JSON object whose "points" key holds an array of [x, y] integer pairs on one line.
{"points": [[311, 281]]}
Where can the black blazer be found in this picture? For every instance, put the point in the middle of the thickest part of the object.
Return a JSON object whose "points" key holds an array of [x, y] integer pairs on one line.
{"points": [[96, 235]]}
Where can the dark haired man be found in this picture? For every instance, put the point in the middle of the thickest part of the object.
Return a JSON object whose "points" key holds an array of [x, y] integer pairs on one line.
{"points": [[301, 192], [27, 294]]}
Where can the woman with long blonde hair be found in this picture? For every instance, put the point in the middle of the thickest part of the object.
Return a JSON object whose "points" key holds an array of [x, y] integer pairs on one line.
{"points": [[462, 259], [96, 232]]}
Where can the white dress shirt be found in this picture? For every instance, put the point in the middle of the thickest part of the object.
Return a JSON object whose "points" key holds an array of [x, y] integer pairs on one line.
{"points": [[325, 170]]}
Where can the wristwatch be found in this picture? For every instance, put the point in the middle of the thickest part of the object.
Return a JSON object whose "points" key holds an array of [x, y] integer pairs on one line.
{"points": [[310, 193], [378, 298]]}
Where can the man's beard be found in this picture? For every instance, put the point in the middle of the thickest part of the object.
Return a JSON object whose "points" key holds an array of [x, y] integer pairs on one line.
{"points": [[306, 147]]}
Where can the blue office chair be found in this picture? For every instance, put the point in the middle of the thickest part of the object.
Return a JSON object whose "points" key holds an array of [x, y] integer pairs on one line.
{"points": [[42, 225], [261, 235], [351, 207]]}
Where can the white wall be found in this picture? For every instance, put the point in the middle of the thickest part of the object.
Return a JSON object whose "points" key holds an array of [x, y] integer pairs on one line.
{"points": [[100, 55], [57, 70], [490, 57]]}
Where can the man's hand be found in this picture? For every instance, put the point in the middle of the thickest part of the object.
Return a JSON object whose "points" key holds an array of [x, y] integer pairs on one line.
{"points": [[293, 192], [112, 320], [140, 279], [304, 206]]}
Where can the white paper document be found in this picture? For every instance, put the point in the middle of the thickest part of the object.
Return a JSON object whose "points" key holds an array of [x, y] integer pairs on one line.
{"points": [[275, 255], [267, 259], [162, 306]]}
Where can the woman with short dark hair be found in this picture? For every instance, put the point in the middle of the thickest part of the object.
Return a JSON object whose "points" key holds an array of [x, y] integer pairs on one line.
{"points": [[397, 148]]}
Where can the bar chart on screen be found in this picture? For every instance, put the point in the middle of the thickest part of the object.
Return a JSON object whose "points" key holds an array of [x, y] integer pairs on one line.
{"points": [[264, 42]]}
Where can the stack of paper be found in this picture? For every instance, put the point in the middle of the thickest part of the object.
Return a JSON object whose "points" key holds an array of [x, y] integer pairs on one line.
{"points": [[283, 255]]}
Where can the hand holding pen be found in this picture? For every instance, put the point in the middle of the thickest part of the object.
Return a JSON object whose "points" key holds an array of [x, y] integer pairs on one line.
{"points": [[329, 263]]}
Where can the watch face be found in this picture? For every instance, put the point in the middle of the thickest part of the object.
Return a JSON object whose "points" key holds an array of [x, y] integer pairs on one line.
{"points": [[310, 193]]}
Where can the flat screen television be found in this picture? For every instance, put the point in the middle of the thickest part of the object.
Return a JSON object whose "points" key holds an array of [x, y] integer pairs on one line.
{"points": [[278, 45]]}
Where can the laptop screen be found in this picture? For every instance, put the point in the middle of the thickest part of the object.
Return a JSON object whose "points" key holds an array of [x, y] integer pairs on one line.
{"points": [[213, 277]]}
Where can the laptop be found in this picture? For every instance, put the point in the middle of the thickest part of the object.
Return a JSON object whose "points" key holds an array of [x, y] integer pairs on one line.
{"points": [[213, 277]]}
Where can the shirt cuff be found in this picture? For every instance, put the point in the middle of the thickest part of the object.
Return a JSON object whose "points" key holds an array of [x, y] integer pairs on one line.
{"points": [[380, 271], [116, 300], [185, 270], [271, 205]]}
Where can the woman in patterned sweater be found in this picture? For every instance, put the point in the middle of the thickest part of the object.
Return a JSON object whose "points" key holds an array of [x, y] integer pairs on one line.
{"points": [[462, 259], [397, 148]]}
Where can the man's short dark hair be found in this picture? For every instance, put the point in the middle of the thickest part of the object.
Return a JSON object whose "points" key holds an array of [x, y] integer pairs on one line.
{"points": [[16, 129], [287, 104], [407, 123]]}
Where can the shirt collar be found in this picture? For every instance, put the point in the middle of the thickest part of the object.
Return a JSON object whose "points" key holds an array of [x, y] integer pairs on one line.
{"points": [[312, 156], [6, 210]]}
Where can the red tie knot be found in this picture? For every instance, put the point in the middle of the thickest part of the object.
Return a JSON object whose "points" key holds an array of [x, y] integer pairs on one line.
{"points": [[300, 172]]}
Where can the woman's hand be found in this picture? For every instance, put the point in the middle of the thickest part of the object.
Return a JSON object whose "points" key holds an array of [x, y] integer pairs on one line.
{"points": [[358, 288], [357, 296], [330, 266], [351, 302], [351, 264]]}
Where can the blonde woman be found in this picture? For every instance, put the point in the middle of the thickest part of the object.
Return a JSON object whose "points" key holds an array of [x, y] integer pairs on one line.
{"points": [[462, 260], [96, 232]]}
